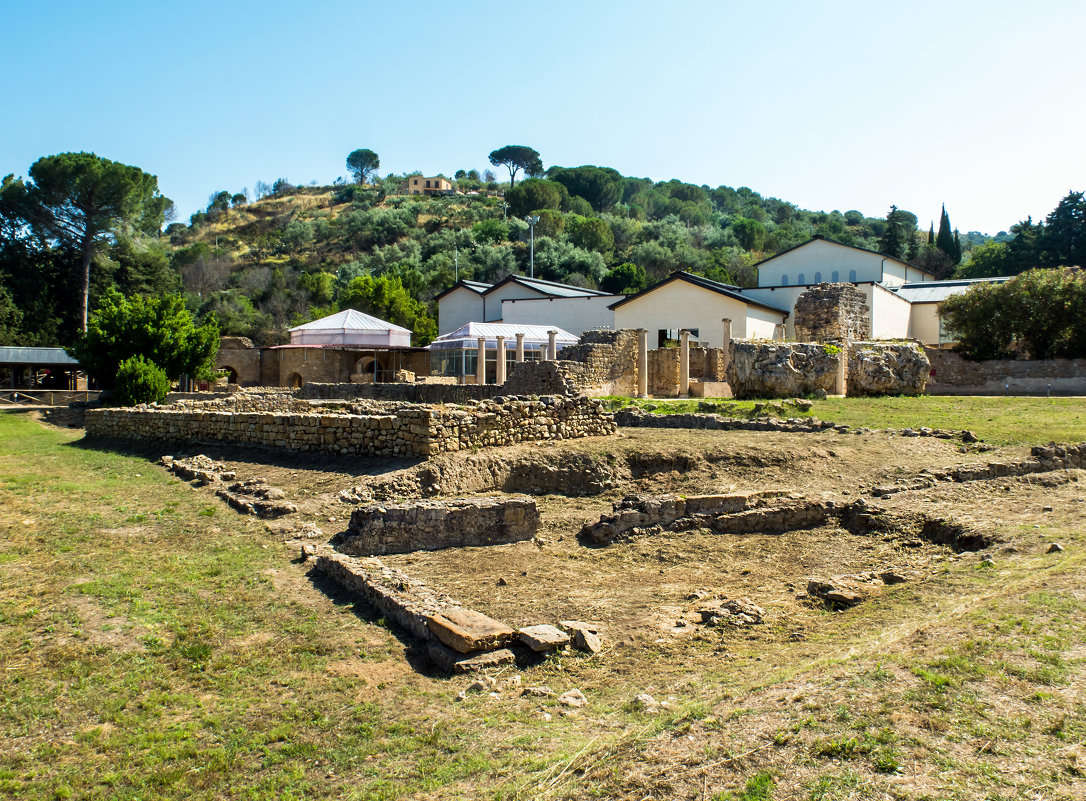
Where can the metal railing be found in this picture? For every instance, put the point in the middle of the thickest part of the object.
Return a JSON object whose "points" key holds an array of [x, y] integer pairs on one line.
{"points": [[45, 397]]}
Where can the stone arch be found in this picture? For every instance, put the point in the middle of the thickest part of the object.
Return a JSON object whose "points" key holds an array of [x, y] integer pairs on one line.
{"points": [[296, 381], [363, 368], [231, 374]]}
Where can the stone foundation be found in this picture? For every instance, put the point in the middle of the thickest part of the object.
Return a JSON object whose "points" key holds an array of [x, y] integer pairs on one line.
{"points": [[779, 370], [432, 525], [404, 430]]}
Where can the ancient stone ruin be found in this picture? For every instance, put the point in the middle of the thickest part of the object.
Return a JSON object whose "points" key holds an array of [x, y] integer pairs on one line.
{"points": [[828, 312]]}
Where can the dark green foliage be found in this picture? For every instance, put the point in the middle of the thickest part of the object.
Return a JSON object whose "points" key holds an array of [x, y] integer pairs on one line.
{"points": [[1043, 311], [600, 186], [516, 158], [159, 328], [749, 233], [590, 233], [895, 240], [10, 318], [1064, 238], [81, 203], [944, 240], [140, 381], [490, 231], [626, 279], [362, 163], [534, 194]]}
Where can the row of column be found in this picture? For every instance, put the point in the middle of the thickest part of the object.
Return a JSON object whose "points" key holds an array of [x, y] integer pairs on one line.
{"points": [[499, 378], [684, 358]]}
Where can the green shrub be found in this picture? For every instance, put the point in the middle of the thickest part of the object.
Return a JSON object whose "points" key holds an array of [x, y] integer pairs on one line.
{"points": [[140, 381]]}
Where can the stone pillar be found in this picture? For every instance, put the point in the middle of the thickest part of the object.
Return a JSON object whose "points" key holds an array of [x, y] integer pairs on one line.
{"points": [[778, 331], [520, 347], [480, 362], [642, 363], [684, 364], [500, 375], [841, 387], [552, 346], [726, 346]]}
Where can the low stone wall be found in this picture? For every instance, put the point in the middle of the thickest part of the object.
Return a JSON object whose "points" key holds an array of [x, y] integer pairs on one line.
{"points": [[432, 525], [876, 368], [421, 392], [404, 430], [637, 419], [953, 375], [782, 370], [706, 364]]}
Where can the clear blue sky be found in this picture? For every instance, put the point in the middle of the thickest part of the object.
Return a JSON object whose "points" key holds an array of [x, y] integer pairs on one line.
{"points": [[980, 105]]}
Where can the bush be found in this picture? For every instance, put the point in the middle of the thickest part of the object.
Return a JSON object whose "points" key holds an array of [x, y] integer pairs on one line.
{"points": [[140, 381]]}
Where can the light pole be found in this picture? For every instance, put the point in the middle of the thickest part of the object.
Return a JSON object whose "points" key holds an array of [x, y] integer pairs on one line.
{"points": [[531, 248]]}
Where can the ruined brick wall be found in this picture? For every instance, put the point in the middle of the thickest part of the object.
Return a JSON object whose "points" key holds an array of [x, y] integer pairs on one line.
{"points": [[832, 311], [706, 364], [402, 430], [886, 368], [782, 370], [608, 359], [954, 375]]}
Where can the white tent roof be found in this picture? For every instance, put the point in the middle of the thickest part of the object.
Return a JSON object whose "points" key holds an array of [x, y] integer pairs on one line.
{"points": [[351, 327], [468, 335], [350, 320]]}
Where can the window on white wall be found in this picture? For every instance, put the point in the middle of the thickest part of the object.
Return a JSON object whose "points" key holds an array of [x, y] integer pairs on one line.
{"points": [[818, 278], [784, 279], [801, 279], [835, 276], [852, 276]]}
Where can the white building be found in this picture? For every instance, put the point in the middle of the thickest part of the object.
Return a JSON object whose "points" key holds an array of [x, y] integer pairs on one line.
{"points": [[456, 353], [521, 300], [695, 303], [351, 327]]}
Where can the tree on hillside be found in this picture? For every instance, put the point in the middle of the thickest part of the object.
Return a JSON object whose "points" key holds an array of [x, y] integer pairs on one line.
{"points": [[535, 194], [600, 186], [516, 158], [160, 329], [1064, 238], [946, 240], [895, 240], [83, 202], [362, 163]]}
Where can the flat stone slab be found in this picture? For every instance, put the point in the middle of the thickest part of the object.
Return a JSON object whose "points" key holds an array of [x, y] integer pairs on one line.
{"points": [[452, 662], [543, 637], [466, 630]]}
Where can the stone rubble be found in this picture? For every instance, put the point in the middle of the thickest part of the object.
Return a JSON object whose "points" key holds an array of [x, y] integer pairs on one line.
{"points": [[201, 469], [255, 497]]}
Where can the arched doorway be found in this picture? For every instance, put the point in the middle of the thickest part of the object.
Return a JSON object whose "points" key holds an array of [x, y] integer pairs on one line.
{"points": [[295, 381], [231, 374]]}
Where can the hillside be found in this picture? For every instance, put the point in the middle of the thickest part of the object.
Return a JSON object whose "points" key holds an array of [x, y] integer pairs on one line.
{"points": [[286, 258]]}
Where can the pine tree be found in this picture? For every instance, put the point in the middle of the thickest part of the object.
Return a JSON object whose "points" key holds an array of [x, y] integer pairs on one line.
{"points": [[893, 241], [956, 256], [931, 234]]}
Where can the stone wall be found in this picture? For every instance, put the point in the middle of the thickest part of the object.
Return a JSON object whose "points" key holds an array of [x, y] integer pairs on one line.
{"points": [[432, 525], [407, 392], [706, 364], [782, 370], [953, 375], [608, 359], [832, 312], [402, 430], [876, 368]]}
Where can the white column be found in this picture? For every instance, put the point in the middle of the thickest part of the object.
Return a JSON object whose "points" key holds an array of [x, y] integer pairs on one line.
{"points": [[520, 347], [499, 378], [642, 363], [684, 363], [726, 347], [480, 362], [552, 345]]}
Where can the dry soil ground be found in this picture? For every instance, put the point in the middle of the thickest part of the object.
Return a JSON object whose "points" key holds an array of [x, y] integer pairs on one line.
{"points": [[967, 681]]}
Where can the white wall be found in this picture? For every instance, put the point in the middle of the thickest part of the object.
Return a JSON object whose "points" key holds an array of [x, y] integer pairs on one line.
{"points": [[575, 315], [679, 304], [820, 256], [492, 309], [889, 313], [457, 308], [924, 323], [779, 296]]}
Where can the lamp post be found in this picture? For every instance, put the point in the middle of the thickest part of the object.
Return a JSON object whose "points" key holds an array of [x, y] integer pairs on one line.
{"points": [[531, 248]]}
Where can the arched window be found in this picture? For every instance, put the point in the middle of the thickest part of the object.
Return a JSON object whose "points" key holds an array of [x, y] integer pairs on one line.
{"points": [[835, 276], [852, 276], [818, 278], [784, 279], [801, 279]]}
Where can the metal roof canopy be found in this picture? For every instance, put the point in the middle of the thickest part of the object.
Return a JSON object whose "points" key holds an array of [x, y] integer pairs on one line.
{"points": [[535, 336], [36, 356]]}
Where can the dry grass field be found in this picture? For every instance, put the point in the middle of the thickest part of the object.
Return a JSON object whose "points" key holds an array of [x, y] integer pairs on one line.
{"points": [[156, 644]]}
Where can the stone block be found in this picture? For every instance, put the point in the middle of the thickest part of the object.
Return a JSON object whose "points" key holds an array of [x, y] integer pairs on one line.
{"points": [[453, 662], [466, 630], [543, 637]]}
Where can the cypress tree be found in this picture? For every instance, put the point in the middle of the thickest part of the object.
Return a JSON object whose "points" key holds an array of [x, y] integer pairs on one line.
{"points": [[931, 234], [956, 256], [945, 238]]}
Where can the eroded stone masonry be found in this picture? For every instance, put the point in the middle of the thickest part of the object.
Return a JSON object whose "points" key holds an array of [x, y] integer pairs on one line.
{"points": [[382, 429]]}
